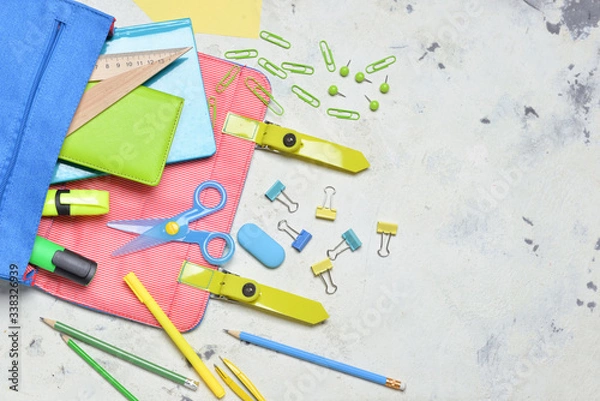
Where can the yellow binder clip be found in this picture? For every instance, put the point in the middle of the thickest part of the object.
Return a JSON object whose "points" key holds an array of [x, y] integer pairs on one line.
{"points": [[326, 211], [227, 286], [386, 230], [293, 143], [320, 269]]}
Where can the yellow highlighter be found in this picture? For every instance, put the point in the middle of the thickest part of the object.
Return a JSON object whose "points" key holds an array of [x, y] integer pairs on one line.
{"points": [[244, 379], [144, 296]]}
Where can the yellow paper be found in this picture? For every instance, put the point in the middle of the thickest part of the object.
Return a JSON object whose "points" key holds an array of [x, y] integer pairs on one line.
{"points": [[217, 17]]}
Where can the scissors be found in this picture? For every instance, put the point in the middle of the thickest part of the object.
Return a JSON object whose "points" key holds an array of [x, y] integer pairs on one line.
{"points": [[153, 232]]}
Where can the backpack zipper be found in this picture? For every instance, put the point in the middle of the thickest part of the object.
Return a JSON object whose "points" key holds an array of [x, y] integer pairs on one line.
{"points": [[57, 30]]}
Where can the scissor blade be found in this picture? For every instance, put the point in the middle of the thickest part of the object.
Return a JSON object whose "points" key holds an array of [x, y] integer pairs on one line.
{"points": [[135, 226], [138, 244]]}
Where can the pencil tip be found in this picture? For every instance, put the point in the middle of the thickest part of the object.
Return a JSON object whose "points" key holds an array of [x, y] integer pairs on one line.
{"points": [[49, 322], [65, 337]]}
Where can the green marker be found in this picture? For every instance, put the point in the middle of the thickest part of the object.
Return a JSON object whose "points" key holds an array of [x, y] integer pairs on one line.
{"points": [[56, 259]]}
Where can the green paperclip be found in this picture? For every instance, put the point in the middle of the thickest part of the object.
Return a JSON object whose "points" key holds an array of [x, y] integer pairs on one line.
{"points": [[305, 96], [259, 90], [228, 78], [380, 65], [298, 68], [212, 105], [275, 39], [343, 114], [241, 54], [272, 68], [327, 56]]}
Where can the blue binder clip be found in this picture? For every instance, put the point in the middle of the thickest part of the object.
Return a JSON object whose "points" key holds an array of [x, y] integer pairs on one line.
{"points": [[276, 190], [300, 239], [350, 239]]}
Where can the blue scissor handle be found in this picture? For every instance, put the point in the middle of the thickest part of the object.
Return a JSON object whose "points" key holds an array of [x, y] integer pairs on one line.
{"points": [[202, 238], [199, 210]]}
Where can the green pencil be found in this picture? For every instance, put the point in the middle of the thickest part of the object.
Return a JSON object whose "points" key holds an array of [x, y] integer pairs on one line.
{"points": [[98, 368], [119, 353]]}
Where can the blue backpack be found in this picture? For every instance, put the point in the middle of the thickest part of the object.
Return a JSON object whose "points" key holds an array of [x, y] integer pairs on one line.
{"points": [[49, 49]]}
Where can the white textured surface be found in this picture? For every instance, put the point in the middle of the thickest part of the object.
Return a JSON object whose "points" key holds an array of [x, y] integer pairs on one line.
{"points": [[485, 152]]}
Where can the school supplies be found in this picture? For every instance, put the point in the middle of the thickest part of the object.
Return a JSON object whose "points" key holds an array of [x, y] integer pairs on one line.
{"points": [[277, 193], [233, 385], [384, 87], [274, 39], [244, 379], [229, 78], [50, 48], [386, 230], [100, 97], [158, 267], [153, 232], [131, 139], [297, 68], [345, 70], [305, 96], [333, 91], [264, 95], [380, 64], [373, 104], [194, 138], [319, 269], [272, 68], [327, 212], [301, 238], [90, 361], [144, 296], [122, 354], [318, 360], [349, 240], [231, 287], [260, 245], [343, 114], [240, 54], [293, 143], [359, 77], [76, 202], [327, 56], [58, 260]]}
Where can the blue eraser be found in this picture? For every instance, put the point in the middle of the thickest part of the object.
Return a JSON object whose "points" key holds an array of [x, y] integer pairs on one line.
{"points": [[260, 245]]}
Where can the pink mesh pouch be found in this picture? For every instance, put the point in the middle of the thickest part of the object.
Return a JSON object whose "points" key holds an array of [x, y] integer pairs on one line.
{"points": [[158, 267]]}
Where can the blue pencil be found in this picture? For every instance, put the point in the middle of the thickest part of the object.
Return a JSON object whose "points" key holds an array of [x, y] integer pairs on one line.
{"points": [[319, 360]]}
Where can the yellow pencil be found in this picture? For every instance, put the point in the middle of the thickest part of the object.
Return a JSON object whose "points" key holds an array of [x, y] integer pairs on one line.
{"points": [[244, 379], [144, 296]]}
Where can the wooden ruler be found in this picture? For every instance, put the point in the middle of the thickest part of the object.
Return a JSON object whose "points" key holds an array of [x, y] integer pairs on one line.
{"points": [[109, 65], [129, 76]]}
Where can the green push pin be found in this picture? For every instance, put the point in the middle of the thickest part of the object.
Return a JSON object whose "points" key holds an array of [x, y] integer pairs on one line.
{"points": [[359, 77], [345, 70], [333, 90], [373, 104], [384, 87]]}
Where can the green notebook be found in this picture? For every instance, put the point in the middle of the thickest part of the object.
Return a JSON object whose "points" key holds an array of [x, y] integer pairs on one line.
{"points": [[131, 139]]}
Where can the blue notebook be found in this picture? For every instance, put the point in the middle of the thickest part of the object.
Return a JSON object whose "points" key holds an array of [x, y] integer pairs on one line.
{"points": [[194, 138]]}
